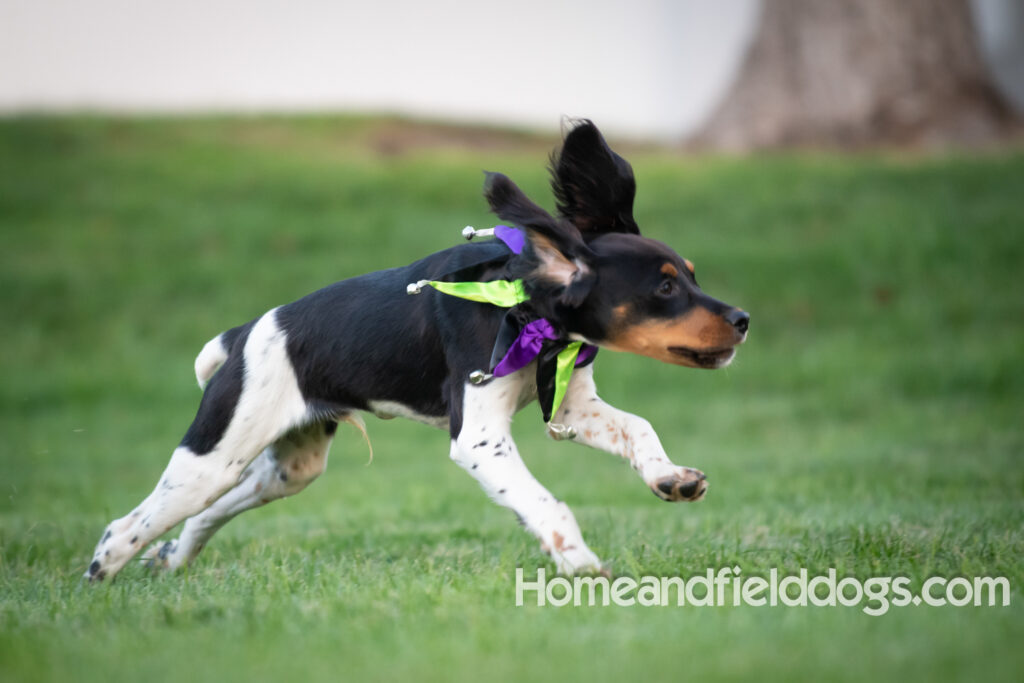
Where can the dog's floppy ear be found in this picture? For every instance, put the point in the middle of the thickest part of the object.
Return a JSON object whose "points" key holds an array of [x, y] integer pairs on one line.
{"points": [[559, 264], [594, 187]]}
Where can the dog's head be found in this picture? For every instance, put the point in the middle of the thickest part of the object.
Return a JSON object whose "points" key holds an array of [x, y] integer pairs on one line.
{"points": [[590, 271]]}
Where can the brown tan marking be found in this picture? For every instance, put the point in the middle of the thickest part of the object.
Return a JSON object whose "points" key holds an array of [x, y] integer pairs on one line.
{"points": [[699, 330], [688, 264], [670, 270], [554, 265], [559, 541]]}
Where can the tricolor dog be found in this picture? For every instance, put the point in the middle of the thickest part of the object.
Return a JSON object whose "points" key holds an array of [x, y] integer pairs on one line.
{"points": [[459, 340]]}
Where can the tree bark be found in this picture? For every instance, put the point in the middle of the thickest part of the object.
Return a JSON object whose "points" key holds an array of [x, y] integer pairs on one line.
{"points": [[860, 72]]}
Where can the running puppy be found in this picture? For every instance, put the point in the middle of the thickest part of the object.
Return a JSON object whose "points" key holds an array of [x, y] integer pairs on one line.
{"points": [[459, 340]]}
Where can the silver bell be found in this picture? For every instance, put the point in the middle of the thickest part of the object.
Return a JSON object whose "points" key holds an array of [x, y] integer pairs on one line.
{"points": [[416, 287], [561, 432], [479, 377], [469, 232]]}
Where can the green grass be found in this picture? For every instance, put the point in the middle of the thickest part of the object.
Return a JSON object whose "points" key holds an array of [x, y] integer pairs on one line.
{"points": [[872, 423]]}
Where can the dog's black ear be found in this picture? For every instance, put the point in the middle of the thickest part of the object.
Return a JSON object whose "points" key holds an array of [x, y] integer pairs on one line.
{"points": [[594, 187], [557, 262]]}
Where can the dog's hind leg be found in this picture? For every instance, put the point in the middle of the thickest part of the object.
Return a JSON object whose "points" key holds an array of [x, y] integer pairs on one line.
{"points": [[484, 448], [251, 402], [283, 469], [601, 426]]}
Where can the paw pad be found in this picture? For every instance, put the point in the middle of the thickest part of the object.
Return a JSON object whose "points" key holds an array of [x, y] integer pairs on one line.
{"points": [[686, 485]]}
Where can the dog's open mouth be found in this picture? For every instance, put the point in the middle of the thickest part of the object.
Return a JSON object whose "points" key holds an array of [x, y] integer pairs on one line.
{"points": [[710, 358]]}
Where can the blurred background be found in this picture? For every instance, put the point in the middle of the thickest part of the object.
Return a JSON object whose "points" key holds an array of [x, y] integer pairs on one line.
{"points": [[849, 172], [735, 74]]}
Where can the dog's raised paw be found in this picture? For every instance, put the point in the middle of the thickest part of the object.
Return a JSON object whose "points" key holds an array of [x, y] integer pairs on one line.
{"points": [[686, 484]]}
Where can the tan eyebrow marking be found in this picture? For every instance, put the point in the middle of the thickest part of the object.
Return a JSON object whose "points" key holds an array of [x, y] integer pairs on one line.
{"points": [[689, 264], [670, 270]]}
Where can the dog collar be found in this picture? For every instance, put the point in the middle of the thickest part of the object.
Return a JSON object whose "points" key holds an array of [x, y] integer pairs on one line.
{"points": [[521, 339]]}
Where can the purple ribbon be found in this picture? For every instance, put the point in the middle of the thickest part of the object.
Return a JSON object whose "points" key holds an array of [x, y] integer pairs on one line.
{"points": [[514, 239], [586, 353], [528, 344]]}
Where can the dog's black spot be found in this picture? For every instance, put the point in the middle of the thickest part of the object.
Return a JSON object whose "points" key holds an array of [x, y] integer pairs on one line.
{"points": [[330, 427], [106, 536], [134, 540], [220, 399], [283, 475], [94, 567], [364, 339], [519, 518], [481, 444], [502, 490], [474, 466]]}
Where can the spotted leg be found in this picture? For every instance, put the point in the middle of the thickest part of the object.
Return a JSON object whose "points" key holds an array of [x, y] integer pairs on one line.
{"points": [[283, 469], [602, 426], [484, 448]]}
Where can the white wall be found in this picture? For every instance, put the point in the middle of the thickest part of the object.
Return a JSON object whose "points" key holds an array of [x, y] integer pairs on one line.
{"points": [[648, 68], [643, 67]]}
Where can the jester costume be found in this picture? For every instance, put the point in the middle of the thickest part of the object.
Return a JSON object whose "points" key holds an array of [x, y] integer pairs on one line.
{"points": [[523, 335]]}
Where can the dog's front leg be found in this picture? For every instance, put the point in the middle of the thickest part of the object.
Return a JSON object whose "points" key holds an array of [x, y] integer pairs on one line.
{"points": [[599, 425], [484, 448]]}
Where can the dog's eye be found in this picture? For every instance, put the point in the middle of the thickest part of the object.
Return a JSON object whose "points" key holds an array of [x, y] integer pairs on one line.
{"points": [[667, 288]]}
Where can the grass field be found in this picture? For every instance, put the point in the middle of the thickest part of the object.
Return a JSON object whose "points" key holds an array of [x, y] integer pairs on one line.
{"points": [[872, 423]]}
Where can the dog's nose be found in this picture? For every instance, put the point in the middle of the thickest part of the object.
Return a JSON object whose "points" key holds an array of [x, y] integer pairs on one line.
{"points": [[738, 319]]}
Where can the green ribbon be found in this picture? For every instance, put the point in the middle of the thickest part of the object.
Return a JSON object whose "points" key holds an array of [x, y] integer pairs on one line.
{"points": [[565, 364], [503, 293]]}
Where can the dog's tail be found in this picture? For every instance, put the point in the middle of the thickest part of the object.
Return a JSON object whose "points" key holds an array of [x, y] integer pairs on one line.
{"points": [[217, 351], [210, 359]]}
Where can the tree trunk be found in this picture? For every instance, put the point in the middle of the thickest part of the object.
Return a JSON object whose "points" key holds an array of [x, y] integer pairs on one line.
{"points": [[860, 72]]}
